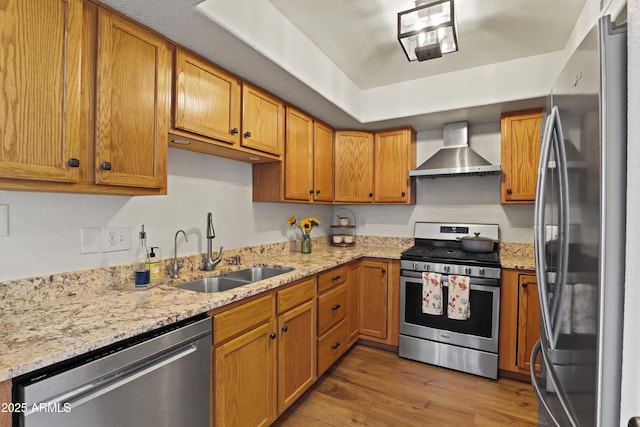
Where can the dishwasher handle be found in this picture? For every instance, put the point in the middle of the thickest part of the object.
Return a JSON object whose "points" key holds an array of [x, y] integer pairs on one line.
{"points": [[111, 382]]}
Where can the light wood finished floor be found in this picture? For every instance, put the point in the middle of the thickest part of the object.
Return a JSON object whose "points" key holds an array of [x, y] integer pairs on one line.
{"points": [[372, 387]]}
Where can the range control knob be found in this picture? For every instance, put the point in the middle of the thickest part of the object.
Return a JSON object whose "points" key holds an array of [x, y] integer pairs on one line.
{"points": [[481, 272], [427, 267], [467, 270], [416, 266], [447, 269]]}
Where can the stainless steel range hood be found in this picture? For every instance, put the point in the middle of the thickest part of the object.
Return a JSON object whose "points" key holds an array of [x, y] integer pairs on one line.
{"points": [[455, 157]]}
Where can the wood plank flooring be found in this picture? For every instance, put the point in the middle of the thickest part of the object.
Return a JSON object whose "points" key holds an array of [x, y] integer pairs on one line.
{"points": [[372, 387]]}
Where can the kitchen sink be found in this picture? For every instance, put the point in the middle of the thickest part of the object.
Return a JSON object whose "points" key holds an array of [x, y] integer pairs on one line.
{"points": [[234, 279], [258, 273]]}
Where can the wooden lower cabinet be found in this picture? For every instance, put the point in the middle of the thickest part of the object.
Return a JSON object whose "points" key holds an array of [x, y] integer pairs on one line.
{"points": [[519, 322], [379, 300], [264, 355], [296, 342], [269, 350], [5, 397]]}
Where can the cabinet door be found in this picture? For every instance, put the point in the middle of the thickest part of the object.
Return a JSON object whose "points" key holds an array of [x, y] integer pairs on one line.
{"points": [[132, 95], [207, 99], [520, 150], [296, 353], [40, 97], [244, 391], [528, 319], [354, 167], [353, 303], [373, 299], [322, 162], [262, 121], [298, 160], [392, 160]]}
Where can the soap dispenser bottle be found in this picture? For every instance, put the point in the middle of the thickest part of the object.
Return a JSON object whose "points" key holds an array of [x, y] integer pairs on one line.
{"points": [[155, 272], [142, 274]]}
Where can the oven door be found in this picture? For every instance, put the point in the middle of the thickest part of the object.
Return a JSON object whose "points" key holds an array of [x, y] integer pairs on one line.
{"points": [[480, 331]]}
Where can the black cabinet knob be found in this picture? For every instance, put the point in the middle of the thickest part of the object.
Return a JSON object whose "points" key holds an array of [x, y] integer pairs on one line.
{"points": [[74, 163], [370, 194], [524, 285], [384, 271], [247, 134], [272, 335], [311, 191], [404, 194], [336, 345], [285, 328], [509, 191], [334, 278], [317, 191], [335, 307], [106, 166], [233, 131]]}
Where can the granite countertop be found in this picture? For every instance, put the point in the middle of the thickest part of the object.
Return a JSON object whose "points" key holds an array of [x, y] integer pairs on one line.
{"points": [[66, 315], [45, 332]]}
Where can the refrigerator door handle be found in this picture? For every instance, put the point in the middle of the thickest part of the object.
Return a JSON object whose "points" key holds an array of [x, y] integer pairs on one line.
{"points": [[536, 386], [563, 236], [539, 235]]}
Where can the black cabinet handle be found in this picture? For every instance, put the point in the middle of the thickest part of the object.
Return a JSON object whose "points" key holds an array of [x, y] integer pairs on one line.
{"points": [[334, 278], [311, 191], [335, 307], [524, 285], [74, 163], [285, 328], [370, 194], [384, 271], [272, 335], [509, 191], [336, 345], [234, 131], [247, 134], [317, 191], [106, 166]]}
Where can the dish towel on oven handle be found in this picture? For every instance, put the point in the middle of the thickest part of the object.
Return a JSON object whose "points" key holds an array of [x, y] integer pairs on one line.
{"points": [[431, 293], [458, 307]]}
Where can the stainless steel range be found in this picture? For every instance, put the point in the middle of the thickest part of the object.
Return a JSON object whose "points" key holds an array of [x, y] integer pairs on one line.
{"points": [[469, 345]]}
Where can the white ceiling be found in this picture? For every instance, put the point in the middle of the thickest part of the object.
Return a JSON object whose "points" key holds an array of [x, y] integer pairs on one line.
{"points": [[358, 39], [360, 36]]}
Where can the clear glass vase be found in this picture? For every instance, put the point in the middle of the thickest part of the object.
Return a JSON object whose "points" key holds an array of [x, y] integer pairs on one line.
{"points": [[305, 246]]}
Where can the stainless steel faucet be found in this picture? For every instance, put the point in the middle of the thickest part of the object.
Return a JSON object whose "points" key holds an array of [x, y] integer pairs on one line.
{"points": [[209, 262], [177, 265]]}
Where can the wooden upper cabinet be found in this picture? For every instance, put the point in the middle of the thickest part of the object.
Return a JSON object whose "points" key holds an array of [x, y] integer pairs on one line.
{"points": [[354, 166], [520, 150], [322, 162], [40, 62], [298, 163], [394, 157], [262, 120], [132, 104], [206, 99]]}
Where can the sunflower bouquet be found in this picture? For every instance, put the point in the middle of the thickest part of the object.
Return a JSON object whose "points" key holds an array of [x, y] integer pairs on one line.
{"points": [[305, 225]]}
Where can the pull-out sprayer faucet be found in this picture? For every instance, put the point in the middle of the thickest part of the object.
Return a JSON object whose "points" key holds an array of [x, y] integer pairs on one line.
{"points": [[209, 262]]}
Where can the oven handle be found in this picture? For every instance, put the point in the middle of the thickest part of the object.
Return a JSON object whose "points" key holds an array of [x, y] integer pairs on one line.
{"points": [[445, 283]]}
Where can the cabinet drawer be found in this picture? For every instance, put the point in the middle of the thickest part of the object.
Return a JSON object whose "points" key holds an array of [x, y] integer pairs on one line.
{"points": [[244, 317], [332, 306], [296, 295], [331, 346], [331, 278]]}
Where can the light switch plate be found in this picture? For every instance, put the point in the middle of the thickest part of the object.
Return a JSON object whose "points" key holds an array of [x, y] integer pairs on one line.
{"points": [[4, 220]]}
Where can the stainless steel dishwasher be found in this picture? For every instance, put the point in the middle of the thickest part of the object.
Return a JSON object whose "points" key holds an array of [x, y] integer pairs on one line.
{"points": [[161, 378]]}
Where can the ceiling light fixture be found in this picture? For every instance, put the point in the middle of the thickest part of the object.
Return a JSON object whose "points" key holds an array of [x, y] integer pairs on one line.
{"points": [[428, 31]]}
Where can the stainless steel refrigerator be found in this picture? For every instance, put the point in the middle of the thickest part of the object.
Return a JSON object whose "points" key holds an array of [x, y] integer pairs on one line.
{"points": [[580, 235]]}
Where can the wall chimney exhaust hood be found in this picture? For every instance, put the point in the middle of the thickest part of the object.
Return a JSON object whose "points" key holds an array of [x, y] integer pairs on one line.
{"points": [[455, 157]]}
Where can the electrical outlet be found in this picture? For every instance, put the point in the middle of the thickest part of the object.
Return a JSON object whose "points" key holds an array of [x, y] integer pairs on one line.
{"points": [[116, 238]]}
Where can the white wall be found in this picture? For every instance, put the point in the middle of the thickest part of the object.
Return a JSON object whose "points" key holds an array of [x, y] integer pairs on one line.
{"points": [[453, 199], [45, 228]]}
